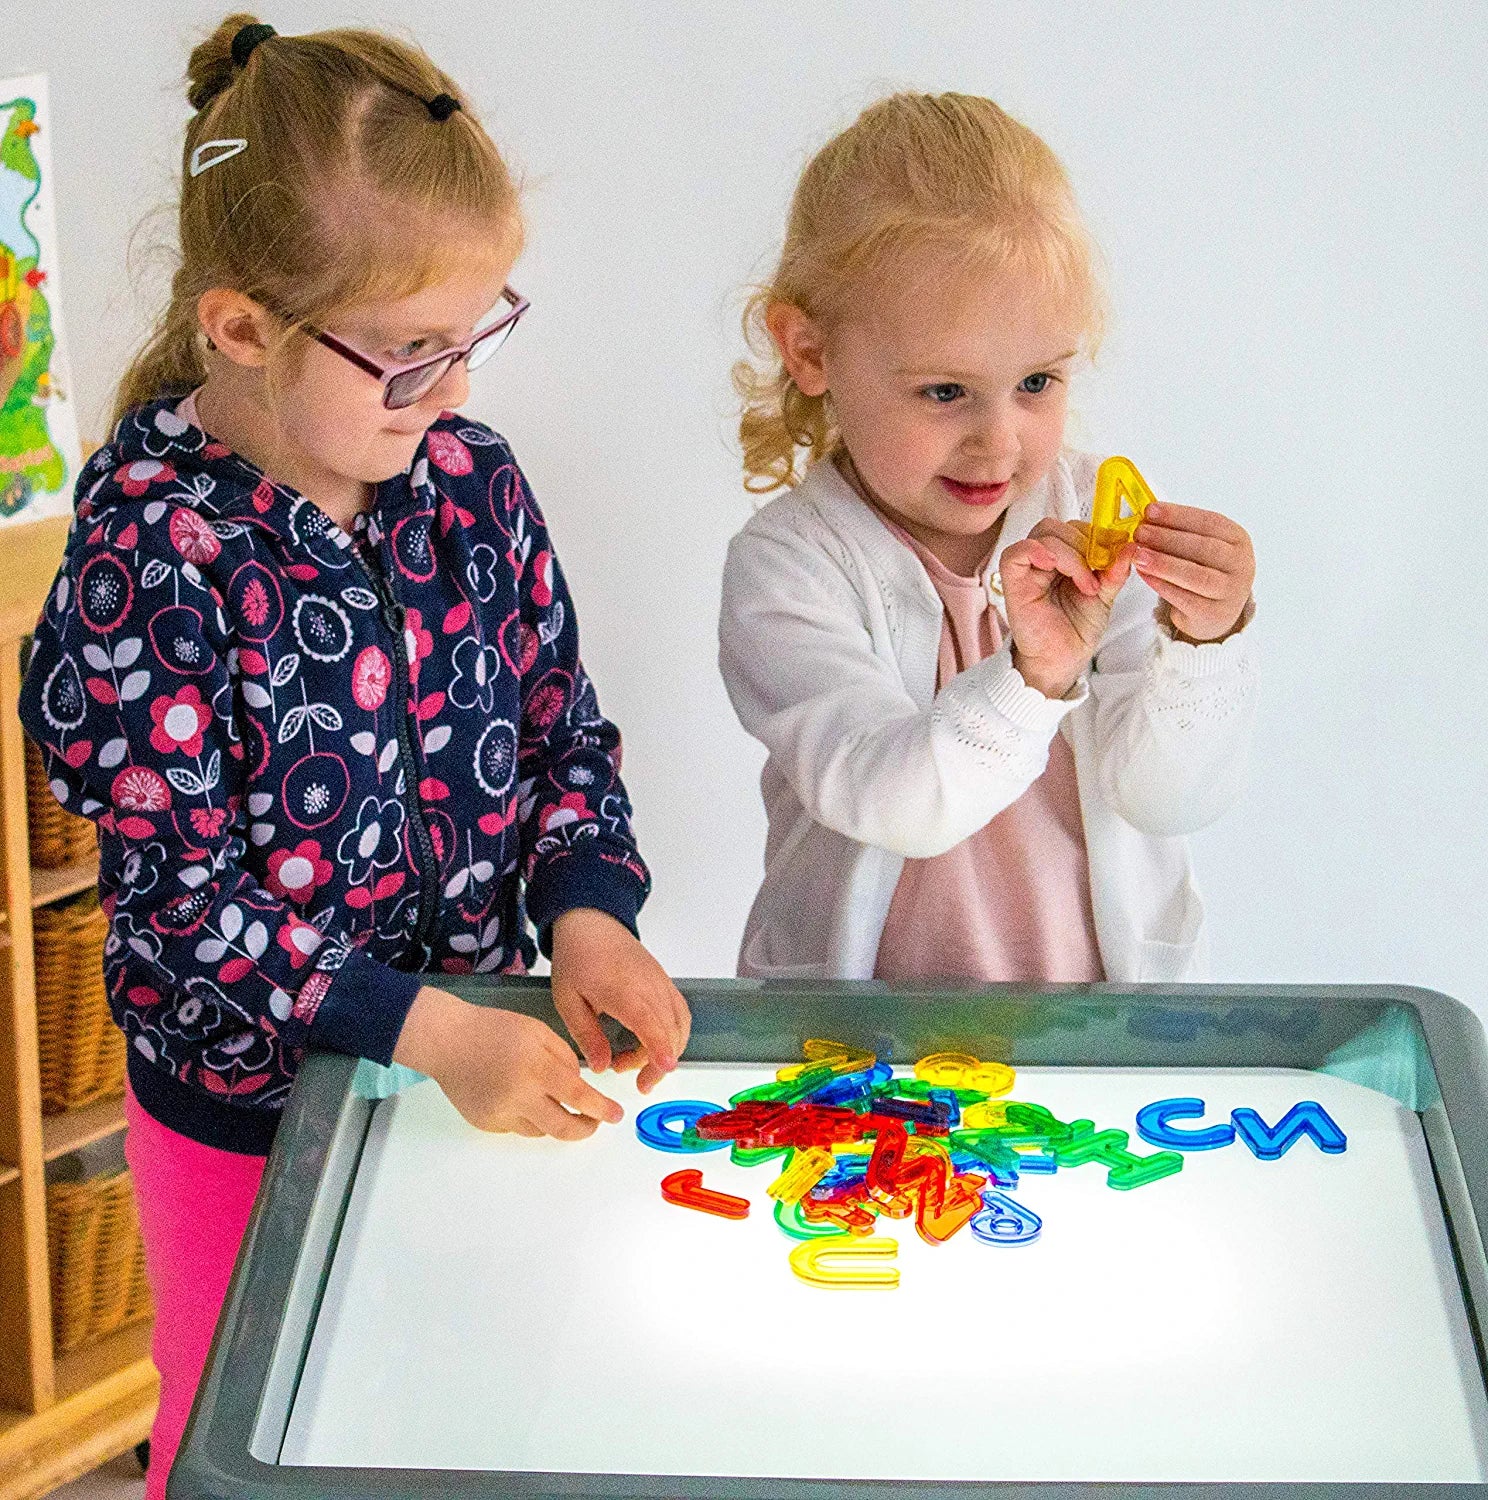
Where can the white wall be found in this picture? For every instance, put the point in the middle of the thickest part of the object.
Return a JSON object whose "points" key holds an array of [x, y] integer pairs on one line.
{"points": [[1292, 198]]}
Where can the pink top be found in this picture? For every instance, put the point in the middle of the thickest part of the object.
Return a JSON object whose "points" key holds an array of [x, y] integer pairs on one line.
{"points": [[1012, 901]]}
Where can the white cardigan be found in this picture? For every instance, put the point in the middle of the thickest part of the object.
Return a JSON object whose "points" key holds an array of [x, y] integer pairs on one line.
{"points": [[829, 640]]}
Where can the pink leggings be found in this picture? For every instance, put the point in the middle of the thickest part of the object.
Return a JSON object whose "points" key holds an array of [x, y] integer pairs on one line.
{"points": [[194, 1203]]}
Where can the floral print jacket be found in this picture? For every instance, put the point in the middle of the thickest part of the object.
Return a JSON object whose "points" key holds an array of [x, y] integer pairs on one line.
{"points": [[320, 765]]}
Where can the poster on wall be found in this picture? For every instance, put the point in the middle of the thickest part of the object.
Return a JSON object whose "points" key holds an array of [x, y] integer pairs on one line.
{"points": [[39, 449]]}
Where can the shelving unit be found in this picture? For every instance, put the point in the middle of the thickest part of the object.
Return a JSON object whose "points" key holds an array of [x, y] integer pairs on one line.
{"points": [[52, 885], [59, 1417]]}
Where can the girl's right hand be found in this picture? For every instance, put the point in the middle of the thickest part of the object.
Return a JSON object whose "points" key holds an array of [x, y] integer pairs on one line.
{"points": [[1057, 608], [500, 1069]]}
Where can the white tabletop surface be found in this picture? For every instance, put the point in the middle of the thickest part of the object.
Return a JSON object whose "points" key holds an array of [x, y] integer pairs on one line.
{"points": [[500, 1303]]}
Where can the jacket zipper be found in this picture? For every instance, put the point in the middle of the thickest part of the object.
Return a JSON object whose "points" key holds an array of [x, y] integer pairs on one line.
{"points": [[393, 618]]}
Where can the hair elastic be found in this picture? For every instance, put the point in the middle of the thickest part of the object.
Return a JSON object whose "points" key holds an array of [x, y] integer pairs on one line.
{"points": [[247, 38], [442, 106]]}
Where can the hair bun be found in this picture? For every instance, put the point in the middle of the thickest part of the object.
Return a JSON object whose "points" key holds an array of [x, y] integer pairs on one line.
{"points": [[247, 38]]}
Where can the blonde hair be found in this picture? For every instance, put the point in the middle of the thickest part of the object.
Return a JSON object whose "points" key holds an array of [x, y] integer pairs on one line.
{"points": [[349, 189], [950, 171]]}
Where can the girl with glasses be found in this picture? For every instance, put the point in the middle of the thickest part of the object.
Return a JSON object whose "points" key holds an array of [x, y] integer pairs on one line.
{"points": [[311, 664]]}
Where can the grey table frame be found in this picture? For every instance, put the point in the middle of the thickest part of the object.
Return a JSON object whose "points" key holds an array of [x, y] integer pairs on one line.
{"points": [[248, 1390]]}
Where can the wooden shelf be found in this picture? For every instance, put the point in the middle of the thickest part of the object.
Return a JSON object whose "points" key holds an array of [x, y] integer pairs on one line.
{"points": [[59, 1416], [105, 1404], [80, 1127], [32, 552], [66, 880], [86, 1367]]}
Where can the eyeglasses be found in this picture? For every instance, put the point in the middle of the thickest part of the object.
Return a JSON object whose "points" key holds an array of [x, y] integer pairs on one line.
{"points": [[410, 380]]}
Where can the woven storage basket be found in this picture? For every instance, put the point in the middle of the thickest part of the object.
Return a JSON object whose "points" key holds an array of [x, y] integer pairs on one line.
{"points": [[96, 1259], [82, 1051], [58, 837]]}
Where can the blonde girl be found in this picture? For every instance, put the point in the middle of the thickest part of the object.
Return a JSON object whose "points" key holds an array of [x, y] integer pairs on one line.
{"points": [[982, 756], [312, 666]]}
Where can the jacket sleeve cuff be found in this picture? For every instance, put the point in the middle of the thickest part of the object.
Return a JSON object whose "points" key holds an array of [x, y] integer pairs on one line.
{"points": [[604, 881], [363, 1011]]}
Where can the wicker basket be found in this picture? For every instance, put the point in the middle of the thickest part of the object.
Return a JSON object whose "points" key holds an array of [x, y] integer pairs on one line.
{"points": [[82, 1051], [96, 1259], [58, 837]]}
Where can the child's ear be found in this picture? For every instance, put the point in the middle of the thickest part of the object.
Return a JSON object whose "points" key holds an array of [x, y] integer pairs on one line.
{"points": [[235, 324], [802, 346]]}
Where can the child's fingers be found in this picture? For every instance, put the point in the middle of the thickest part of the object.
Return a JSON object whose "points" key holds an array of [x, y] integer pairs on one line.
{"points": [[1207, 583], [681, 1017], [579, 1095], [1075, 533], [1181, 602], [1192, 518], [670, 1009], [583, 1025], [1196, 546], [649, 1077], [1053, 553], [628, 1062], [647, 1011], [551, 1118], [1113, 578]]}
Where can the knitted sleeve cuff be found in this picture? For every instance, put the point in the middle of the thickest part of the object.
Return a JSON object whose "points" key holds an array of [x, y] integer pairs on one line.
{"points": [[1015, 700], [1206, 658], [363, 1011], [604, 881]]}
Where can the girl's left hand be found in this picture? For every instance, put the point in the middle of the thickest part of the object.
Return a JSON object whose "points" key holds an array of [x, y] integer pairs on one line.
{"points": [[599, 968], [1201, 563]]}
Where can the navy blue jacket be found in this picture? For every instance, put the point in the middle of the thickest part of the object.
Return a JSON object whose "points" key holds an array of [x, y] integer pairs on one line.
{"points": [[321, 766]]}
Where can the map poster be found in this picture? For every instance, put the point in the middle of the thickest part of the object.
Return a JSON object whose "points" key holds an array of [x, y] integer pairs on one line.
{"points": [[39, 450]]}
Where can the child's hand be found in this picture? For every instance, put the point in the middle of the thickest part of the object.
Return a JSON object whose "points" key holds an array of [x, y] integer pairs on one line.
{"points": [[1056, 607], [1201, 562], [599, 968], [501, 1070]]}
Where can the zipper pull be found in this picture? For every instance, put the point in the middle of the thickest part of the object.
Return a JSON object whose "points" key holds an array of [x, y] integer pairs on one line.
{"points": [[392, 611]]}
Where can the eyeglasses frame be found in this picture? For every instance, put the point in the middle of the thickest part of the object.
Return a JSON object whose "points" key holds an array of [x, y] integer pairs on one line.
{"points": [[454, 354]]}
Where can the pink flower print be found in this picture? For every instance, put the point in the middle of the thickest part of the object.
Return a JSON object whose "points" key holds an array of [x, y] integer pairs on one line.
{"points": [[208, 821], [571, 808], [255, 602], [296, 874], [312, 992], [371, 674], [300, 940], [417, 641], [542, 579], [179, 721], [139, 789], [193, 538], [447, 452], [135, 478], [547, 700]]}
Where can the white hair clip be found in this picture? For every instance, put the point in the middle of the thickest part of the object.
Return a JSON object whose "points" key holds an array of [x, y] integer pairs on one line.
{"points": [[209, 153]]}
